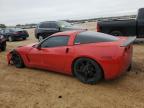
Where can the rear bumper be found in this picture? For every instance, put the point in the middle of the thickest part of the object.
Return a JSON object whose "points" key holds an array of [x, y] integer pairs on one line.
{"points": [[119, 65], [118, 70]]}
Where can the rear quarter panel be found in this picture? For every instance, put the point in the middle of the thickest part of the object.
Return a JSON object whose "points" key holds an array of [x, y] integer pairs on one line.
{"points": [[105, 54], [113, 59]]}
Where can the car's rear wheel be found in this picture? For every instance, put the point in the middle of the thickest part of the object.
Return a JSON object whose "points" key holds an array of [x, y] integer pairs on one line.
{"points": [[17, 60], [87, 71], [10, 39], [40, 38], [116, 33], [129, 68], [3, 47], [24, 38]]}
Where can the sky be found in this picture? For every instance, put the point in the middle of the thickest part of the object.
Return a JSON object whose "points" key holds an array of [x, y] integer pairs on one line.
{"points": [[14, 12]]}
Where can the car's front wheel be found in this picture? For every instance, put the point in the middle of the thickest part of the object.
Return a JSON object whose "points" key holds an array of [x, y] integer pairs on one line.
{"points": [[24, 38], [40, 38], [87, 70], [10, 39], [17, 60]]}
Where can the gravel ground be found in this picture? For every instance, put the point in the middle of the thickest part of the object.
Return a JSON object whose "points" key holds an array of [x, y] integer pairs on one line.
{"points": [[32, 88]]}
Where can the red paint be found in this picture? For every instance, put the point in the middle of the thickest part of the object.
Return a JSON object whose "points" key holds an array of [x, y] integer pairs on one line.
{"points": [[113, 59]]}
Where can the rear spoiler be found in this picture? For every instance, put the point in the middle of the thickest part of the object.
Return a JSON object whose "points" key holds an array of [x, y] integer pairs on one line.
{"points": [[129, 41]]}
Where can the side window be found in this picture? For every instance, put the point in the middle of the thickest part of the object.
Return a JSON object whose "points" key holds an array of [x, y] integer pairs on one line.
{"points": [[55, 41], [1, 31], [48, 25], [11, 30], [44, 25], [93, 37], [85, 39], [53, 25], [6, 31]]}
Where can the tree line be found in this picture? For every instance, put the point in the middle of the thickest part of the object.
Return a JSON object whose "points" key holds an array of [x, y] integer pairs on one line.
{"points": [[2, 26]]}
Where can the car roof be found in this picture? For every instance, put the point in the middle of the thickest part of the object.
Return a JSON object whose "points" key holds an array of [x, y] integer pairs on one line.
{"points": [[90, 34], [52, 21], [14, 29], [47, 21], [68, 33], [97, 34]]}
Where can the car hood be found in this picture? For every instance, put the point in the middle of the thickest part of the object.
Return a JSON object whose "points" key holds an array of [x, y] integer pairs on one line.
{"points": [[26, 48]]}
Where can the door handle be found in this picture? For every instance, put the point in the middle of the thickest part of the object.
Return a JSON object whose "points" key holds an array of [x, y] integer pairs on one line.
{"points": [[67, 50]]}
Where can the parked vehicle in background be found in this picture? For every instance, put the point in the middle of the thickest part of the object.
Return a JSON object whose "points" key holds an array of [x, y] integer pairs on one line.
{"points": [[2, 42], [45, 29], [13, 34], [133, 27], [89, 56]]}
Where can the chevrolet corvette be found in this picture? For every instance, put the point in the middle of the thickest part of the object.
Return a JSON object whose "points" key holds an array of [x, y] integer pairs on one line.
{"points": [[89, 56]]}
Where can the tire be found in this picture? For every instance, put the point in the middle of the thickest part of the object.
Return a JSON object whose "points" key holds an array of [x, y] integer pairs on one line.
{"points": [[17, 60], [10, 39], [116, 33], [3, 48], [129, 68], [24, 38], [87, 71], [40, 38]]}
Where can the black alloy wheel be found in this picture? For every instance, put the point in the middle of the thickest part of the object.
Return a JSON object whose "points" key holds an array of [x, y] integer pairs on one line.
{"points": [[17, 60], [3, 47], [116, 33], [87, 71], [10, 39]]}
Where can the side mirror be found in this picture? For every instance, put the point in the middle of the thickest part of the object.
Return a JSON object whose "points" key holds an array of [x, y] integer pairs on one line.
{"points": [[77, 43], [57, 28], [39, 47]]}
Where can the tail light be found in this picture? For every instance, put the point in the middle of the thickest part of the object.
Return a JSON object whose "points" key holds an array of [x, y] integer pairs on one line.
{"points": [[127, 49], [98, 28]]}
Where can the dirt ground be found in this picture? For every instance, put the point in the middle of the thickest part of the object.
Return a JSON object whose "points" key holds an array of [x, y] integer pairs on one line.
{"points": [[31, 88]]}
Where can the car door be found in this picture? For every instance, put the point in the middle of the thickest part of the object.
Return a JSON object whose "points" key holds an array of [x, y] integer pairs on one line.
{"points": [[48, 28], [54, 28], [54, 51], [1, 32], [6, 33]]}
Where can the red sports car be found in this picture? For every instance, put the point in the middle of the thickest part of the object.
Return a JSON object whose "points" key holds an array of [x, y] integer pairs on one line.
{"points": [[89, 56]]}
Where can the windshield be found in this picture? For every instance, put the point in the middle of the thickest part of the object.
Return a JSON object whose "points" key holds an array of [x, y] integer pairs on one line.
{"points": [[64, 24], [15, 29]]}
